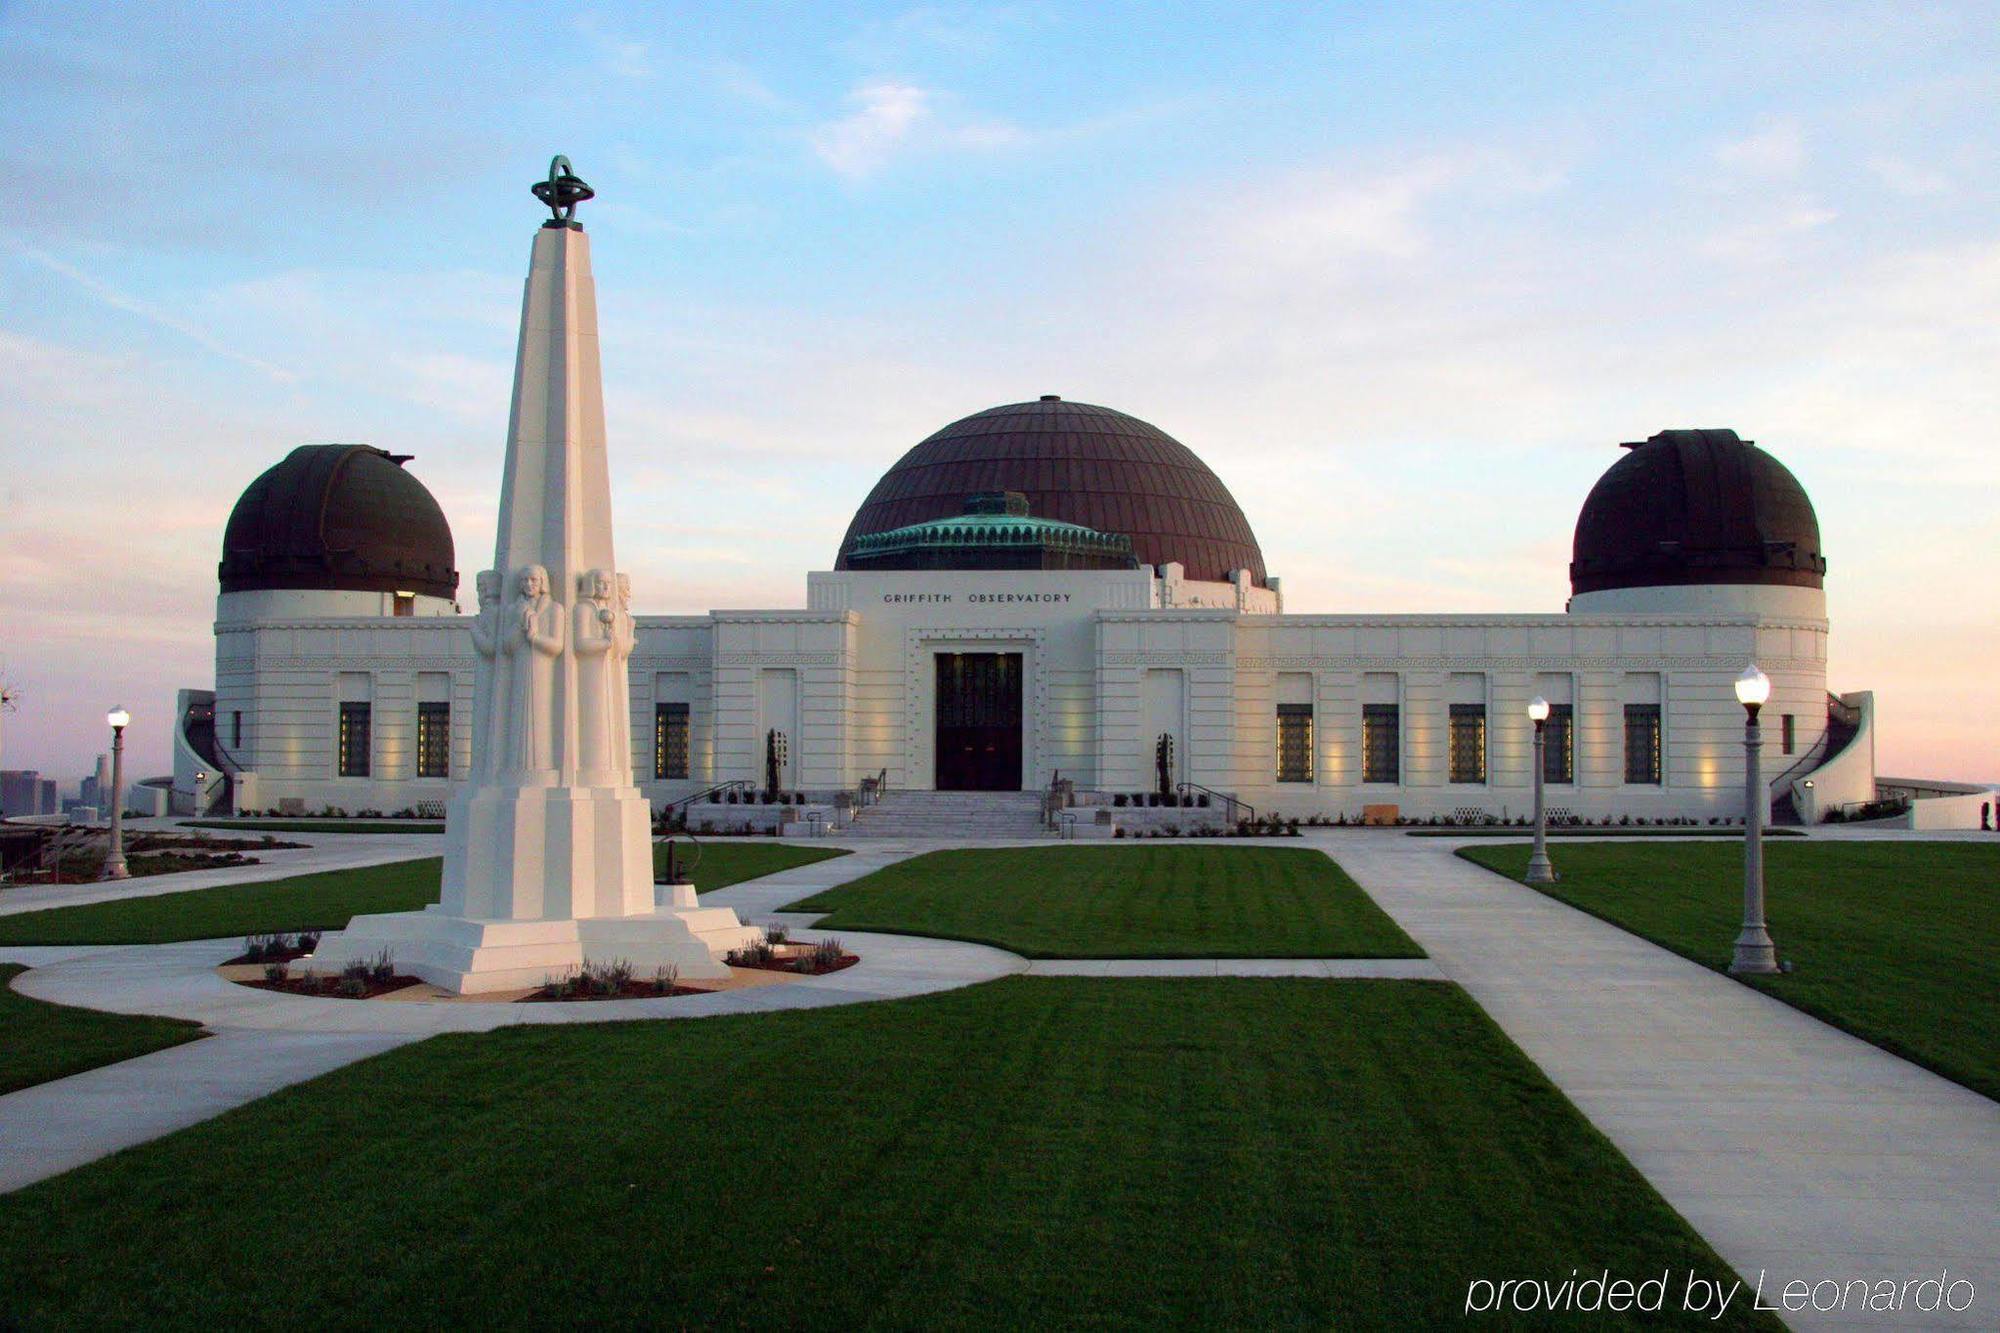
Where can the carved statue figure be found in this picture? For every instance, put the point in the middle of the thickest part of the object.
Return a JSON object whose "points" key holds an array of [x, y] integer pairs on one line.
{"points": [[486, 671], [532, 641], [624, 642], [603, 640]]}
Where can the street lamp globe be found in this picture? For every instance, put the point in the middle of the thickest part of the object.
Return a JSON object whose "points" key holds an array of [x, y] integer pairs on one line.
{"points": [[118, 718], [1753, 687], [1538, 709]]}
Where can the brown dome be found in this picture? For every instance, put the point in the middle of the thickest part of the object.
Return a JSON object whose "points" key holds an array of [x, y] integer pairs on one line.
{"points": [[1696, 506], [344, 517], [1076, 463]]}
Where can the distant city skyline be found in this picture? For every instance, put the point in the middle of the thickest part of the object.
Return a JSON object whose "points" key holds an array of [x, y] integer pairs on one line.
{"points": [[1404, 276]]}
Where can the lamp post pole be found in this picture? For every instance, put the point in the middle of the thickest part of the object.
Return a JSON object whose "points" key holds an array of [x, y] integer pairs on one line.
{"points": [[1539, 869], [1755, 953], [114, 859]]}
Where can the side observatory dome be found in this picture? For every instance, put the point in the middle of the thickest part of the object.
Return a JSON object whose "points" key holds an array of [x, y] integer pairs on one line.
{"points": [[343, 518], [1690, 508], [1069, 463]]}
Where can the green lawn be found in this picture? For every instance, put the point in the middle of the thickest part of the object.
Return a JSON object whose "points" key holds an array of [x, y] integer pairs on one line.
{"points": [[1034, 1152], [40, 1041], [1124, 902], [1897, 942], [322, 901]]}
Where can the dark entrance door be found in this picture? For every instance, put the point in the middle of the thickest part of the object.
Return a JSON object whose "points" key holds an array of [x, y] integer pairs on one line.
{"points": [[979, 721]]}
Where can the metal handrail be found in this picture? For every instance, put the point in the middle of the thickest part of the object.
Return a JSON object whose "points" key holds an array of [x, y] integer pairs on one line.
{"points": [[667, 810], [1232, 802]]}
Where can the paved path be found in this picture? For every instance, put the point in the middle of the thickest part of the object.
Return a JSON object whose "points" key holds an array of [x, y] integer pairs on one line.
{"points": [[52, 1127], [1794, 1148], [329, 851], [265, 1040]]}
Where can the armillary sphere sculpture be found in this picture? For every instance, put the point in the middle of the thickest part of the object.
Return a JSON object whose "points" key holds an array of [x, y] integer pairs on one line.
{"points": [[562, 192]]}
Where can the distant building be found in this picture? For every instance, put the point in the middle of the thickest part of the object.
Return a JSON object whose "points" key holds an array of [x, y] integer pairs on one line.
{"points": [[27, 792], [1055, 590]]}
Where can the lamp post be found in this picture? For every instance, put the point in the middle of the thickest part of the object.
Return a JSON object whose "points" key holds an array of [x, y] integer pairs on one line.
{"points": [[1539, 869], [114, 860], [1754, 950]]}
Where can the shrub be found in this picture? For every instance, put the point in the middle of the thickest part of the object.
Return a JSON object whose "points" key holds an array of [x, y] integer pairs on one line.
{"points": [[777, 932], [382, 968], [665, 979], [352, 987], [356, 971], [274, 971], [826, 953], [757, 953]]}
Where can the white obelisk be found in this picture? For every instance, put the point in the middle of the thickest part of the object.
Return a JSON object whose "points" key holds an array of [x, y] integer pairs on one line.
{"points": [[548, 846]]}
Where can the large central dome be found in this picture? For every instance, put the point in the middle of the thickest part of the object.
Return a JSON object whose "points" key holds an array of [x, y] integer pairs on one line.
{"points": [[1076, 463]]}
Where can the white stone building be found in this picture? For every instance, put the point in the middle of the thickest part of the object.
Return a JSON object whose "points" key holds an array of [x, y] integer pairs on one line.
{"points": [[1049, 589]]}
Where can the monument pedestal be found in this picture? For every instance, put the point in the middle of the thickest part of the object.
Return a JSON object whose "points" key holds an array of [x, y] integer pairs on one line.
{"points": [[472, 957]]}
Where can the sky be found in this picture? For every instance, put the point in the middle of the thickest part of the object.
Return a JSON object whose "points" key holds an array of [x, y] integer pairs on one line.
{"points": [[1404, 275]]}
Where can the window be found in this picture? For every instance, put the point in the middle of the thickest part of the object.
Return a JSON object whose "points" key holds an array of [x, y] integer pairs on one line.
{"points": [[1468, 743], [354, 740], [670, 740], [1295, 742], [1642, 744], [434, 740], [1381, 743], [1787, 733], [406, 603], [236, 731], [1559, 745]]}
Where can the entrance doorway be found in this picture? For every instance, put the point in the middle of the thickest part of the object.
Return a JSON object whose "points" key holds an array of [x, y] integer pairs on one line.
{"points": [[979, 721]]}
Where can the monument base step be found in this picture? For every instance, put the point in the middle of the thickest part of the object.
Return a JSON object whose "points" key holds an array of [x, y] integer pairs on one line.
{"points": [[471, 957]]}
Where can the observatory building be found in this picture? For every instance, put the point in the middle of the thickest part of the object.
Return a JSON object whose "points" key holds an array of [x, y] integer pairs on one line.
{"points": [[1052, 590]]}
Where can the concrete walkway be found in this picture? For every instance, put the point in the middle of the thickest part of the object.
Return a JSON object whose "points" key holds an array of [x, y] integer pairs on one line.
{"points": [[266, 1040], [329, 851], [1795, 1149]]}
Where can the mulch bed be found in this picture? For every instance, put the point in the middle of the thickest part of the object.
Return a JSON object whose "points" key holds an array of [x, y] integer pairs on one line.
{"points": [[789, 963], [328, 988], [632, 990], [281, 956]]}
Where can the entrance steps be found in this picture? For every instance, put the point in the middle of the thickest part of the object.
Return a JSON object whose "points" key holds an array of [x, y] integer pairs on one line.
{"points": [[966, 815]]}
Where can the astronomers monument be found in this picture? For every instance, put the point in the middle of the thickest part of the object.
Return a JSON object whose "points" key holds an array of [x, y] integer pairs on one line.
{"points": [[548, 846]]}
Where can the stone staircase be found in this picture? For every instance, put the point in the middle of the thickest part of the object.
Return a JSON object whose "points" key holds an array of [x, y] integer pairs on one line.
{"points": [[962, 815]]}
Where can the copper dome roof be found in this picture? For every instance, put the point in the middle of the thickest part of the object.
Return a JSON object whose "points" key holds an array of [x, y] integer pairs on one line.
{"points": [[344, 517], [1696, 506], [1079, 464]]}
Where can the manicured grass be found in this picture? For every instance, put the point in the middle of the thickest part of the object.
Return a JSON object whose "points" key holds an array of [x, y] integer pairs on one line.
{"points": [[1593, 831], [41, 1041], [322, 901], [1038, 1152], [1897, 942], [1124, 902]]}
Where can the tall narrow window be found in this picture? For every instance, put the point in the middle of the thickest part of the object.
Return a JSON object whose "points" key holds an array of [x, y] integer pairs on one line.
{"points": [[1295, 742], [1559, 745], [1381, 743], [406, 604], [1642, 744], [236, 731], [354, 748], [434, 740], [1788, 732], [1468, 743], [670, 740]]}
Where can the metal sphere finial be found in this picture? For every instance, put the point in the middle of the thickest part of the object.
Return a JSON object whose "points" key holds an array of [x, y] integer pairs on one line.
{"points": [[562, 192]]}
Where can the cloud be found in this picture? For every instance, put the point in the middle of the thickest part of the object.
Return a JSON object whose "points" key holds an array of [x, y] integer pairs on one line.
{"points": [[1908, 178], [886, 112], [1777, 150], [1774, 236], [111, 296]]}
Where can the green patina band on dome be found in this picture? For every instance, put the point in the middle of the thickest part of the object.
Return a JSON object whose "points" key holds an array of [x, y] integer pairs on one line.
{"points": [[996, 531]]}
